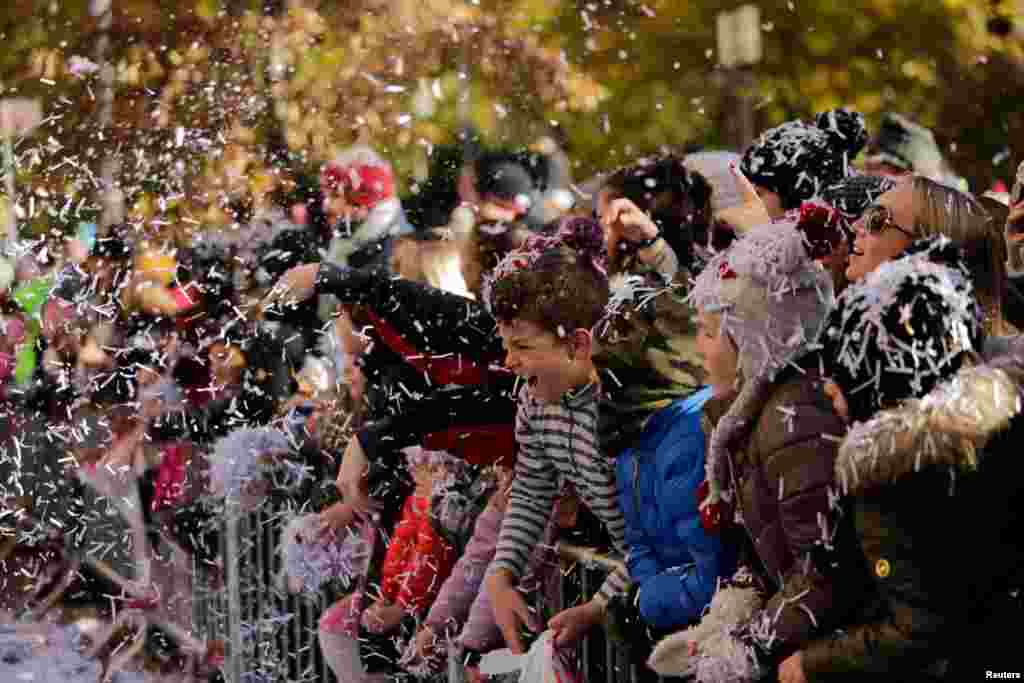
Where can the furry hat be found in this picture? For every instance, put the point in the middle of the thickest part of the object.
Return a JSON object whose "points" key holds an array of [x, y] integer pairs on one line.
{"points": [[797, 160], [907, 326], [772, 297]]}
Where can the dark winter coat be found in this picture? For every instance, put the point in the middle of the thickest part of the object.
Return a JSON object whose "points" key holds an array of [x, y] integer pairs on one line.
{"points": [[782, 450], [935, 491], [442, 356]]}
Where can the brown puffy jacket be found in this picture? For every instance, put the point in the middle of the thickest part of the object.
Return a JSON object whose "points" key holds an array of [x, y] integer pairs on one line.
{"points": [[782, 467]]}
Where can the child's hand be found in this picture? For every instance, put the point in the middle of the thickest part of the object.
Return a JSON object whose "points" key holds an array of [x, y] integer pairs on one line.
{"points": [[625, 221], [791, 670], [297, 285], [351, 480], [510, 610], [571, 624], [383, 617], [751, 213], [336, 517], [426, 641]]}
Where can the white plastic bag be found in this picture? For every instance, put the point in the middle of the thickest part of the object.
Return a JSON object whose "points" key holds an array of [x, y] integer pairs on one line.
{"points": [[542, 664]]}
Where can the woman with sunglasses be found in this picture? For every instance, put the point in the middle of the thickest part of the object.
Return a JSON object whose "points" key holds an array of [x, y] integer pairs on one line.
{"points": [[919, 208]]}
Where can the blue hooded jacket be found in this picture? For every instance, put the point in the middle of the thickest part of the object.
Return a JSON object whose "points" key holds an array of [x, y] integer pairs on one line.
{"points": [[672, 559]]}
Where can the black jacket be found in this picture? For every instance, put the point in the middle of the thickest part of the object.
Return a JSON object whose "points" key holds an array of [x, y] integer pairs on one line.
{"points": [[433, 369]]}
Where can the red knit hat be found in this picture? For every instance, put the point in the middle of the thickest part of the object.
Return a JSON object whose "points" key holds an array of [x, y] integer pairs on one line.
{"points": [[364, 177]]}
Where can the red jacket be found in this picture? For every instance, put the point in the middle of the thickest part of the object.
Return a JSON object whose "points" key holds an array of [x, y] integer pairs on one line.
{"points": [[417, 561]]}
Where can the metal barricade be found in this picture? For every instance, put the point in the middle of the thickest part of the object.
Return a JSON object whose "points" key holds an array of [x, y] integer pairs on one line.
{"points": [[270, 635], [601, 658]]}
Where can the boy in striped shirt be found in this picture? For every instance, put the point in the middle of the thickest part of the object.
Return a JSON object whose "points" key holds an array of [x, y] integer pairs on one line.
{"points": [[547, 299]]}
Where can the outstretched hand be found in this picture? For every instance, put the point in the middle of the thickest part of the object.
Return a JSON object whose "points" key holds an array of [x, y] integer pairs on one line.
{"points": [[296, 285], [571, 624], [751, 212], [351, 481], [510, 611], [335, 518], [791, 670], [624, 220]]}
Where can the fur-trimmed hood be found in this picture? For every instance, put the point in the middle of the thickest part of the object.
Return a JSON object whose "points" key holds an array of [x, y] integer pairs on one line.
{"points": [[949, 427]]}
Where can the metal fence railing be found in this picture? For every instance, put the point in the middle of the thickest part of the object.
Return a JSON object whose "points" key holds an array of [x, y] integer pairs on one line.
{"points": [[602, 659], [272, 635]]}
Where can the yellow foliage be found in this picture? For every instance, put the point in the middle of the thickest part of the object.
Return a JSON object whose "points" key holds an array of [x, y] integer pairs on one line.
{"points": [[208, 10]]}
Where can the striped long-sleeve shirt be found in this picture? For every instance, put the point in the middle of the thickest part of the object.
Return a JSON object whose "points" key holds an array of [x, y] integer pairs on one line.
{"points": [[557, 444]]}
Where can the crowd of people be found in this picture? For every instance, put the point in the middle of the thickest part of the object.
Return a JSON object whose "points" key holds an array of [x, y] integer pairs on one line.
{"points": [[780, 387]]}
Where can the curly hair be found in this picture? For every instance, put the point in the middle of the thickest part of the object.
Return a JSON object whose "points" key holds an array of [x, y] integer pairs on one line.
{"points": [[558, 286]]}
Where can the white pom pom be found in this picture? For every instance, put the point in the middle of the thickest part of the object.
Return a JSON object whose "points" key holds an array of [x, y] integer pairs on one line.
{"points": [[720, 657], [312, 558], [239, 458]]}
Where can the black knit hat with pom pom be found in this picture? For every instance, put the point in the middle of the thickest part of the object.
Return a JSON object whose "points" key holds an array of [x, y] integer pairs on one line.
{"points": [[852, 196], [798, 160], [906, 327]]}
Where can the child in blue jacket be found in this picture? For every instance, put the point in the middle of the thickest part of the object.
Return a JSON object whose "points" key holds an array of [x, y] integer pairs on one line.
{"points": [[673, 560]]}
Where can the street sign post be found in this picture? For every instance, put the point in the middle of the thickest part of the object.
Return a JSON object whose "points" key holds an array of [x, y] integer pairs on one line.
{"points": [[739, 37], [739, 47]]}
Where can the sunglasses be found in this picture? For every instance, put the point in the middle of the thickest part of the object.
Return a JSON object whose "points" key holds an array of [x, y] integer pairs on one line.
{"points": [[877, 219]]}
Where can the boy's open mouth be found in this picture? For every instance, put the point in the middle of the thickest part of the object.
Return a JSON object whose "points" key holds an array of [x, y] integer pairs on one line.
{"points": [[531, 381]]}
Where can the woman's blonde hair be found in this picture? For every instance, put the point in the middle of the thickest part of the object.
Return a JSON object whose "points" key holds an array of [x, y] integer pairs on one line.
{"points": [[436, 262], [942, 210]]}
